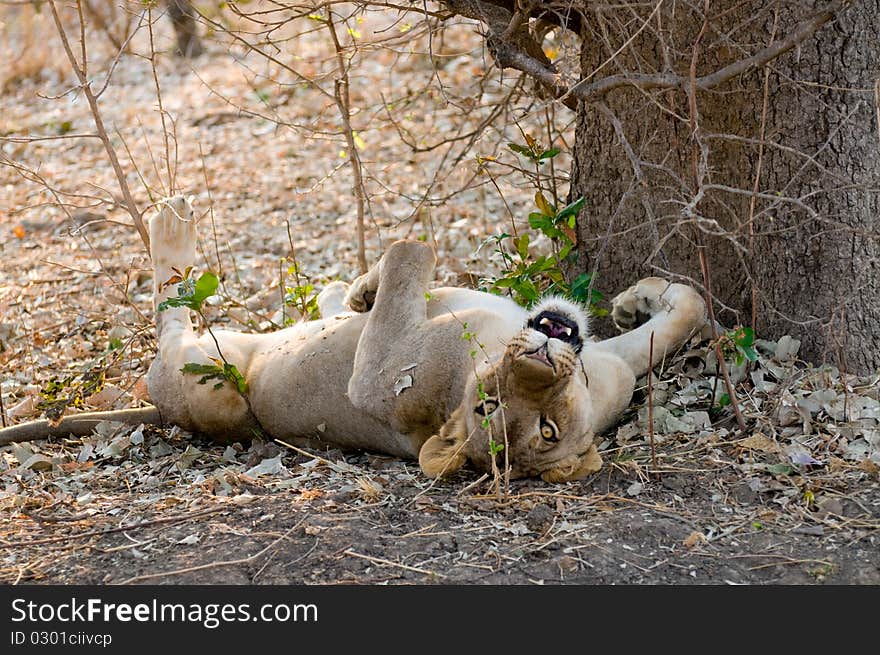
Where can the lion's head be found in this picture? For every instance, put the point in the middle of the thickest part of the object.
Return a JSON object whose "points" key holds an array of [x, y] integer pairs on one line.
{"points": [[530, 407]]}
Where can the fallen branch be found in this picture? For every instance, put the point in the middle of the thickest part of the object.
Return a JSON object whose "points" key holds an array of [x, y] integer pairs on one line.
{"points": [[76, 425]]}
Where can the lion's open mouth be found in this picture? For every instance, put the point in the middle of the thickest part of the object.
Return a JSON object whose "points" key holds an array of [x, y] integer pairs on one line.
{"points": [[557, 326]]}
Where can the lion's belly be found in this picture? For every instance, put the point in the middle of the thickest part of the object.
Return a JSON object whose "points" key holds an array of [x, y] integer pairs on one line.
{"points": [[298, 389]]}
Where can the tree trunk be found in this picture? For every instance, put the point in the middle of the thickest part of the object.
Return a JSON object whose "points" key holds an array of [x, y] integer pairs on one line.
{"points": [[810, 252], [185, 28]]}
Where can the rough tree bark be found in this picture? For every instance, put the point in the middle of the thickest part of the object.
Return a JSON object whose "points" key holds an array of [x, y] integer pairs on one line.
{"points": [[186, 31], [811, 250]]}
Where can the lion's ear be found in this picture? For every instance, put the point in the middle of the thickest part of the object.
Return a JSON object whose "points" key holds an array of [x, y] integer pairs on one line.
{"points": [[443, 454]]}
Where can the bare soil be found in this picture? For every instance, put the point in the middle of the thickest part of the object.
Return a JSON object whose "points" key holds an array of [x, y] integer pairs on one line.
{"points": [[331, 518]]}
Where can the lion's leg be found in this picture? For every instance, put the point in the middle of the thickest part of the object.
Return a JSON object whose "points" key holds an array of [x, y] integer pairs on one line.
{"points": [[671, 312], [173, 250], [178, 396], [392, 337]]}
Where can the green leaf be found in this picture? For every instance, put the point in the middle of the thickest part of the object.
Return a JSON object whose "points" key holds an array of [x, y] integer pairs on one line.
{"points": [[571, 210], [192, 295], [564, 252], [231, 373], [505, 282], [206, 286], [528, 291], [549, 154], [525, 151], [750, 353], [540, 221], [522, 246], [724, 400], [227, 372], [744, 337], [580, 288]]}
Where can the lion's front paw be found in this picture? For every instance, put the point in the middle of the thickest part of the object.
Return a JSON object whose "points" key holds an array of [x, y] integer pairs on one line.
{"points": [[639, 303], [362, 293]]}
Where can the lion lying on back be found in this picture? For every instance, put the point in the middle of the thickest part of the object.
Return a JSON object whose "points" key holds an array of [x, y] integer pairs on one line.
{"points": [[387, 369]]}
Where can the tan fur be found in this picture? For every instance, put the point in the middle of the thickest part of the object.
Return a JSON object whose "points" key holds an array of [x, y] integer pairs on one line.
{"points": [[408, 374]]}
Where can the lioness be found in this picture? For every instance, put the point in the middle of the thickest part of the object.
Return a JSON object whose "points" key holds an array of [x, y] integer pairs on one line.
{"points": [[449, 376]]}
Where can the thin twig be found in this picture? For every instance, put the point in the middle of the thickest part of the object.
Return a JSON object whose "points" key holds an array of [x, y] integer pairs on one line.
{"points": [[385, 562], [85, 85], [508, 54], [753, 200], [135, 526], [698, 194], [214, 565], [343, 103]]}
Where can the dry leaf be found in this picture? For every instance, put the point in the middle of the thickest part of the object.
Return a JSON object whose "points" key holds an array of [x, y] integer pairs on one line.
{"points": [[693, 539], [869, 466], [25, 408], [311, 494], [759, 441], [402, 383]]}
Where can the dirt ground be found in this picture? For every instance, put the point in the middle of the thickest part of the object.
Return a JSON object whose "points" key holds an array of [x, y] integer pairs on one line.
{"points": [[795, 499], [366, 519]]}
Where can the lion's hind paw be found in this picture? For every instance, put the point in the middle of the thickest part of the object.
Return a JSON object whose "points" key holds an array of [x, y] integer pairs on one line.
{"points": [[173, 233]]}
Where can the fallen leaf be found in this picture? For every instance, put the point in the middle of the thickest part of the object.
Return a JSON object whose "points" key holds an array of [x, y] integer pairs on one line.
{"points": [[191, 540], [271, 466], [243, 499], [187, 457], [635, 489], [869, 466], [38, 463], [781, 469], [25, 408], [139, 390], [760, 441], [402, 383], [22, 451], [693, 539]]}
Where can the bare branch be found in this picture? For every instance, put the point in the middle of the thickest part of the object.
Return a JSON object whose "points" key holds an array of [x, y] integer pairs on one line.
{"points": [[511, 54], [85, 85]]}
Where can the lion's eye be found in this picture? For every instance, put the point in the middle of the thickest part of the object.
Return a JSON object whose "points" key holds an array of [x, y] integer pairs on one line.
{"points": [[486, 406], [549, 431]]}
